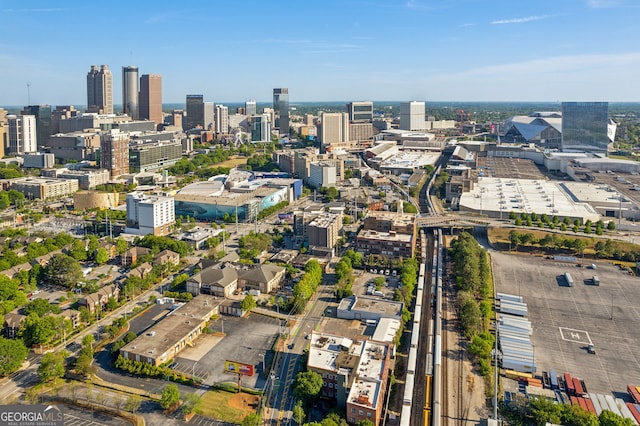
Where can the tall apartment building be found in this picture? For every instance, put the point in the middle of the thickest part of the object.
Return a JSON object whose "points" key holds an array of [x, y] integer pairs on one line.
{"points": [[209, 116], [324, 230], [584, 126], [334, 127], [130, 81], [281, 108], [151, 98], [149, 214], [114, 151], [412, 115], [222, 119], [4, 132], [195, 112], [42, 113], [23, 136], [261, 128], [100, 90], [322, 174], [250, 108], [360, 111]]}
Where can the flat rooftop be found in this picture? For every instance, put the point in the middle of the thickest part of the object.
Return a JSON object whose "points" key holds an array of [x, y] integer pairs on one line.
{"points": [[410, 160], [370, 234], [324, 220], [495, 196], [383, 307]]}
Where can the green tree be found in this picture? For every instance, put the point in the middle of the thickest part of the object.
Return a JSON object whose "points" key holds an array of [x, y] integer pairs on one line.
{"points": [[40, 307], [252, 419], [307, 385], [611, 226], [112, 304], [365, 422], [409, 208], [101, 256], [10, 294], [170, 395], [121, 245], [63, 270], [38, 331], [330, 193], [13, 352], [52, 366], [248, 303], [609, 418], [78, 250], [191, 403], [133, 403], [298, 412]]}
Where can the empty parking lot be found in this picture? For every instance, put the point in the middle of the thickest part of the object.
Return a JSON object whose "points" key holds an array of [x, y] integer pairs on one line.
{"points": [[567, 319]]}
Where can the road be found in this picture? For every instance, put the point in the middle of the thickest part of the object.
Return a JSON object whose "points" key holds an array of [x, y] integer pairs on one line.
{"points": [[279, 398]]}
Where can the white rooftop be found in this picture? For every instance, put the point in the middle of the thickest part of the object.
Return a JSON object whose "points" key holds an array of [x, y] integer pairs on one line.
{"points": [[494, 196], [410, 160]]}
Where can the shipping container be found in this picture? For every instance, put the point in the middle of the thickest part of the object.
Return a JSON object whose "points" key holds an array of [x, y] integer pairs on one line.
{"points": [[634, 411], [596, 403], [612, 405], [595, 280], [568, 383], [553, 378], [624, 410], [635, 395], [590, 406], [577, 386], [511, 297], [604, 405], [568, 279], [518, 365]]}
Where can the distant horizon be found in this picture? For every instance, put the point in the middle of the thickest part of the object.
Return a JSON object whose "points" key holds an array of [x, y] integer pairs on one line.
{"points": [[375, 49]]}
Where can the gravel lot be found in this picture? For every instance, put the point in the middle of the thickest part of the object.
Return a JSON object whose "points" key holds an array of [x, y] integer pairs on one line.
{"points": [[567, 319]]}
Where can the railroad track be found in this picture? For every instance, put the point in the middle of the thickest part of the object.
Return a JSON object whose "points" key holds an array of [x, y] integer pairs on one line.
{"points": [[455, 413]]}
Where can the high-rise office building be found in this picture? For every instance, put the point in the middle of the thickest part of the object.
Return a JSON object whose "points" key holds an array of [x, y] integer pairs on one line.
{"points": [[151, 98], [130, 92], [334, 127], [250, 108], [261, 128], [4, 132], [42, 113], [360, 111], [584, 126], [412, 115], [23, 137], [114, 152], [209, 115], [176, 117], [222, 119], [100, 90], [281, 108], [195, 112]]}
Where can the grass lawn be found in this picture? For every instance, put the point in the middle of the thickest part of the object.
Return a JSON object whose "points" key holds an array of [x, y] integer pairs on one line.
{"points": [[227, 406], [232, 162]]}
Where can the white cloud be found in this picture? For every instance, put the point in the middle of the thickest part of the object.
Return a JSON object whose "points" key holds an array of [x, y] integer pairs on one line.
{"points": [[520, 20], [602, 4]]}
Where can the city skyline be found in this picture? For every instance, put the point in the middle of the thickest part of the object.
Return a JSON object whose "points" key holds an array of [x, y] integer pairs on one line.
{"points": [[458, 50]]}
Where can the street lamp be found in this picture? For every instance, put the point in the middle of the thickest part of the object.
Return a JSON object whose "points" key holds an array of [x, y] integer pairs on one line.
{"points": [[262, 356]]}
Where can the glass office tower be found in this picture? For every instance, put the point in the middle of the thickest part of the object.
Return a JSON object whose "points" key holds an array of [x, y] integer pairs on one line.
{"points": [[584, 126]]}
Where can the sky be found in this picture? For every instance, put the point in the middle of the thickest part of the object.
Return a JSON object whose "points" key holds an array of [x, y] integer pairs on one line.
{"points": [[327, 50]]}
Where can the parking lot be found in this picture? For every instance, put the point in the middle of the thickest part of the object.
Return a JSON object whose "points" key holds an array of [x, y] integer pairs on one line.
{"points": [[567, 319], [363, 284], [246, 340]]}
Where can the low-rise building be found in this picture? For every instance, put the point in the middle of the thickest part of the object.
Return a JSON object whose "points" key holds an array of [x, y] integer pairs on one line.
{"points": [[354, 374], [12, 322], [38, 160], [164, 340], [220, 280], [389, 244], [368, 308], [323, 230], [45, 188], [167, 256], [265, 277], [87, 179], [99, 299], [72, 315], [78, 146], [131, 256]]}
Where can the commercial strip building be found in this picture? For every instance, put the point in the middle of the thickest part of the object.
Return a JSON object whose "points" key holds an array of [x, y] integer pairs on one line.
{"points": [[163, 341], [354, 374]]}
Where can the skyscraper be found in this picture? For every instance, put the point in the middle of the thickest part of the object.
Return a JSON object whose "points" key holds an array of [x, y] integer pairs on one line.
{"points": [[209, 116], [100, 90], [281, 108], [42, 113], [250, 108], [222, 119], [151, 98], [360, 111], [22, 134], [412, 115], [261, 128], [130, 92], [195, 112], [584, 126]]}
